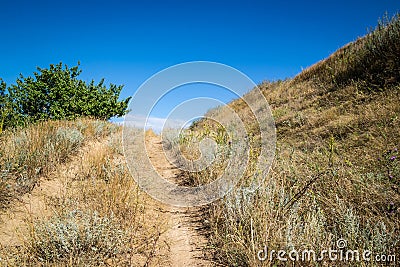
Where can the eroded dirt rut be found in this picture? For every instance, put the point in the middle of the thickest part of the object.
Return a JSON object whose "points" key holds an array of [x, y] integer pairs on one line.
{"points": [[186, 243]]}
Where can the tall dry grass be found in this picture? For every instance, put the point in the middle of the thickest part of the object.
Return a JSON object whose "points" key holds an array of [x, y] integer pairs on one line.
{"points": [[336, 171], [336, 176], [26, 154], [372, 60], [100, 217]]}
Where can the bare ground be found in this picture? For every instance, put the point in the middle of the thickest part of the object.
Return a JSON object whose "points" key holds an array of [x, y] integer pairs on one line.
{"points": [[184, 236]]}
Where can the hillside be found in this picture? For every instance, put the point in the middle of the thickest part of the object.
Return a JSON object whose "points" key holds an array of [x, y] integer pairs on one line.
{"points": [[336, 174], [67, 197]]}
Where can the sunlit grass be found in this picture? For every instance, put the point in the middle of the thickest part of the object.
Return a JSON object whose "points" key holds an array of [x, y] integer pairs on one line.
{"points": [[336, 170], [100, 217]]}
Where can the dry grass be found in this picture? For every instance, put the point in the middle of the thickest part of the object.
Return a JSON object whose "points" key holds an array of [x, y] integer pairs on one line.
{"points": [[336, 175], [100, 217], [336, 172], [372, 61], [26, 154]]}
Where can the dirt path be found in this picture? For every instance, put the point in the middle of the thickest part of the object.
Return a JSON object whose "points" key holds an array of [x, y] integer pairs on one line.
{"points": [[183, 235], [15, 221], [184, 243]]}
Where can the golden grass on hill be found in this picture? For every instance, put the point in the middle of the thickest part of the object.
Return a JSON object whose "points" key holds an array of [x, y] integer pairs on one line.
{"points": [[99, 217], [336, 173], [372, 60], [26, 154]]}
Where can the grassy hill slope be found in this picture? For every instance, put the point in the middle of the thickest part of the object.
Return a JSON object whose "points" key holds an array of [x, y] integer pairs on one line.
{"points": [[337, 169], [68, 199]]}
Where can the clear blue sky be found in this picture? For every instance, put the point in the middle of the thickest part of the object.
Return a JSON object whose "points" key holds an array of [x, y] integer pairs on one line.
{"points": [[128, 41]]}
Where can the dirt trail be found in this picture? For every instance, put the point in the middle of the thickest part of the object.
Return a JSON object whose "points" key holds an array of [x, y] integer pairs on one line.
{"points": [[15, 221], [183, 239], [183, 236]]}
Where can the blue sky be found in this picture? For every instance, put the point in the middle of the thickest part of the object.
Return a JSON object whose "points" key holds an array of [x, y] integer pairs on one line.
{"points": [[128, 41]]}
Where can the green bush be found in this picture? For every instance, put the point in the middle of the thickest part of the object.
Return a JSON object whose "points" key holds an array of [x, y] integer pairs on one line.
{"points": [[2, 103], [5, 107], [57, 93]]}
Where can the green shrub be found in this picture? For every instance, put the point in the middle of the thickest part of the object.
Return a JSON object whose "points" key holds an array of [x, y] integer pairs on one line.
{"points": [[57, 93]]}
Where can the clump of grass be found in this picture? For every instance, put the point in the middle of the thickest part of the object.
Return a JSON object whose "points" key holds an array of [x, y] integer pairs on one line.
{"points": [[5, 191], [103, 128], [68, 139], [196, 151], [76, 236], [389, 163]]}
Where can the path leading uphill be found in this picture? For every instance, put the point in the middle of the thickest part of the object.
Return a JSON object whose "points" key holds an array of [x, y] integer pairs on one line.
{"points": [[182, 242], [184, 238]]}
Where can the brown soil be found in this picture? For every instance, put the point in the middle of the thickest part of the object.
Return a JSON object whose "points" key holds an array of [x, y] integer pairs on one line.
{"points": [[184, 237]]}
